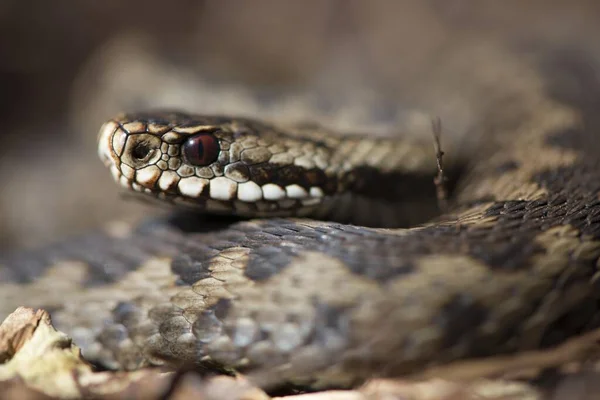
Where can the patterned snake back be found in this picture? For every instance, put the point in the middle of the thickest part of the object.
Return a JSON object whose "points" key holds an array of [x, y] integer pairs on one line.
{"points": [[512, 265]]}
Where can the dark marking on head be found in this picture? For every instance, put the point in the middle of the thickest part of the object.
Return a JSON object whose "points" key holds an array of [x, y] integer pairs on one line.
{"points": [[315, 177], [290, 174], [293, 174], [238, 170], [262, 173]]}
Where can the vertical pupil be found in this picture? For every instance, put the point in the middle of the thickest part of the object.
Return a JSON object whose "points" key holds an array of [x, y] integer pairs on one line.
{"points": [[200, 150]]}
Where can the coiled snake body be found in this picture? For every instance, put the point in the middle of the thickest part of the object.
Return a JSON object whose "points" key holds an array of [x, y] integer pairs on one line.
{"points": [[513, 265]]}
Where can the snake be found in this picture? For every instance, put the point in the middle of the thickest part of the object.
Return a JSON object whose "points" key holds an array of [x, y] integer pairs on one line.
{"points": [[314, 257]]}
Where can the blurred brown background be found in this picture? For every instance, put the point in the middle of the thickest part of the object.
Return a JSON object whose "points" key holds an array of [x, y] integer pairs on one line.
{"points": [[65, 66]]}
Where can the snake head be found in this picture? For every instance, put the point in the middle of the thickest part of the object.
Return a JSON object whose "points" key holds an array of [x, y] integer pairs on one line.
{"points": [[217, 164]]}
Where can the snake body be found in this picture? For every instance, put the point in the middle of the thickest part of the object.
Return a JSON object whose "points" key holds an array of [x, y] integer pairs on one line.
{"points": [[512, 265]]}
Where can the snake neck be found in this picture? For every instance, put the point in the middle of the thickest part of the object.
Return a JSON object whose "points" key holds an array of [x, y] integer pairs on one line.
{"points": [[383, 182]]}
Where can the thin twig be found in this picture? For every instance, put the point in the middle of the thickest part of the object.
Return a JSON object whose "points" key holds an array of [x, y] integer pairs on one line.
{"points": [[440, 179]]}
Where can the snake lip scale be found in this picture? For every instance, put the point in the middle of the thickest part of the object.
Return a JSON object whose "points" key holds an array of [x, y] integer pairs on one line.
{"points": [[315, 286]]}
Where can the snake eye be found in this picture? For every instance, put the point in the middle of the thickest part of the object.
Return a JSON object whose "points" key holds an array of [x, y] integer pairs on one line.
{"points": [[201, 150]]}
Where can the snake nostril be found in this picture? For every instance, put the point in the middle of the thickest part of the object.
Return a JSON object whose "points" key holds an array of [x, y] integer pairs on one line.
{"points": [[140, 151]]}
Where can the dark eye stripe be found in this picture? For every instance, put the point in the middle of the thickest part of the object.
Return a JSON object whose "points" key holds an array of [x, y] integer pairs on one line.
{"points": [[201, 150]]}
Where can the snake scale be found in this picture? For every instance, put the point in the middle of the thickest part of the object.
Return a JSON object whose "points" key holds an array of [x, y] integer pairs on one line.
{"points": [[312, 285]]}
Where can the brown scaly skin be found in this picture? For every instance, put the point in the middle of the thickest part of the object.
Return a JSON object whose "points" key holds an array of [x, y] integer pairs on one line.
{"points": [[513, 265]]}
